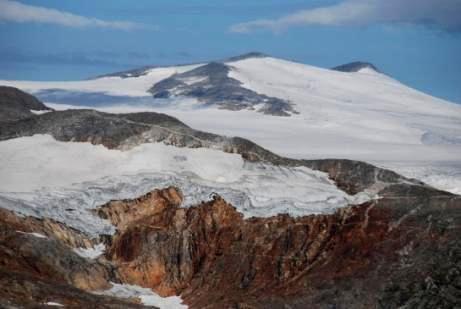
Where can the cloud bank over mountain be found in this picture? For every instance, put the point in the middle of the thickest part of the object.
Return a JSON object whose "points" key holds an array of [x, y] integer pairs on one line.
{"points": [[443, 14]]}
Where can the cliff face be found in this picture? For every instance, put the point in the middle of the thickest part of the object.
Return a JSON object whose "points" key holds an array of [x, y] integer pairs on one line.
{"points": [[400, 250], [354, 258], [38, 265]]}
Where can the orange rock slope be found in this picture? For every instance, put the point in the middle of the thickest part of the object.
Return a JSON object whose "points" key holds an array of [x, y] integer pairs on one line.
{"points": [[215, 258]]}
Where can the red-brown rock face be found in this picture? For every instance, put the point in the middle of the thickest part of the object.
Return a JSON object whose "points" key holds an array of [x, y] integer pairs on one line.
{"points": [[215, 258], [43, 248], [38, 265], [125, 213]]}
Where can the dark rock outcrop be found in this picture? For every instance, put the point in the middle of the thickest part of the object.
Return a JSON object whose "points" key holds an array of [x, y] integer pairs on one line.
{"points": [[16, 104], [355, 176], [211, 85], [110, 130]]}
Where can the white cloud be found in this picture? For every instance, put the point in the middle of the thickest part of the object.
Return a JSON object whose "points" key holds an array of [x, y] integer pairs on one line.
{"points": [[13, 11], [444, 14]]}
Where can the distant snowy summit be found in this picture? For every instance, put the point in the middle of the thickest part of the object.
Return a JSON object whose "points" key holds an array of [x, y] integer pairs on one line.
{"points": [[212, 85], [350, 110], [227, 84], [144, 70]]}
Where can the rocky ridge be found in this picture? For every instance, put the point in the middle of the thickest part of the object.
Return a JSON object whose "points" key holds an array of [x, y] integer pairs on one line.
{"points": [[211, 85], [16, 104], [400, 250], [125, 131]]}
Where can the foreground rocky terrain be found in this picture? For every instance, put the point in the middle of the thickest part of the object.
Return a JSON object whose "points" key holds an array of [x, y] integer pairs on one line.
{"points": [[384, 254], [400, 249]]}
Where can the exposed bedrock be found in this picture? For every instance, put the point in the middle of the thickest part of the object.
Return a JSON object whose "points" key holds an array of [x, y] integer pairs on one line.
{"points": [[22, 290], [43, 248], [38, 266], [353, 258], [124, 131], [211, 85], [16, 104]]}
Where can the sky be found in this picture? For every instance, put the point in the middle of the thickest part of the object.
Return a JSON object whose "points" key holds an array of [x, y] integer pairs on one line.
{"points": [[415, 41]]}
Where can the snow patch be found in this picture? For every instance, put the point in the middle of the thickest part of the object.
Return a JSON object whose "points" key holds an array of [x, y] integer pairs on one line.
{"points": [[91, 253], [194, 80], [39, 112], [38, 235], [51, 303], [147, 296], [367, 70]]}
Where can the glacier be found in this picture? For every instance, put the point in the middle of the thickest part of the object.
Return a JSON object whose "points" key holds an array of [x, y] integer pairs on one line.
{"points": [[64, 181]]}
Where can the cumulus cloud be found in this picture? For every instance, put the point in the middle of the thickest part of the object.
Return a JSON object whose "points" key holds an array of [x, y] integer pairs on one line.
{"points": [[445, 14], [13, 11]]}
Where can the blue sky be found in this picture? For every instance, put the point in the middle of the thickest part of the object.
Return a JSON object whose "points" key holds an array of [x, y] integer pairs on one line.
{"points": [[416, 41]]}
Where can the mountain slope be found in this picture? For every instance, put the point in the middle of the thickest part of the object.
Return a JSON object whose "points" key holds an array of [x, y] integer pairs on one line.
{"points": [[126, 205], [16, 104], [363, 115], [211, 85]]}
